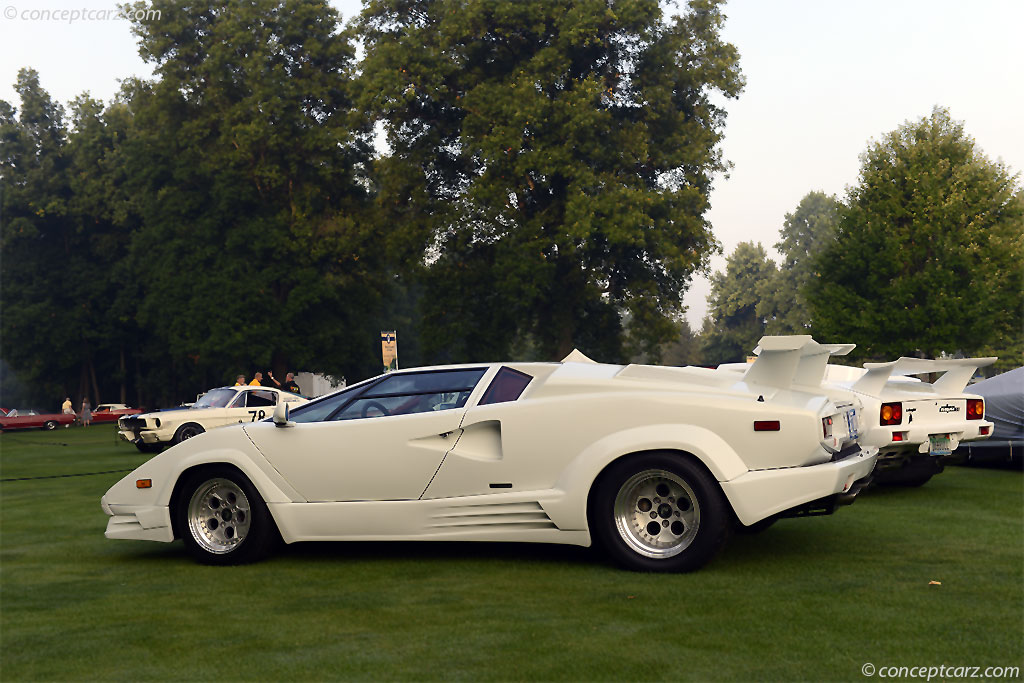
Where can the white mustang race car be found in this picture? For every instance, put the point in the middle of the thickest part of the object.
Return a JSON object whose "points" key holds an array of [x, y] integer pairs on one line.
{"points": [[914, 424], [654, 463], [151, 432]]}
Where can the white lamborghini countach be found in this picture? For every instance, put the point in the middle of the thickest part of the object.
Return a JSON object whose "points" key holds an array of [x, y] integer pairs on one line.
{"points": [[654, 464]]}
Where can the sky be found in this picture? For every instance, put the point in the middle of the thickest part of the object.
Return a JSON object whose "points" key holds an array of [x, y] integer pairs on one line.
{"points": [[824, 78]]}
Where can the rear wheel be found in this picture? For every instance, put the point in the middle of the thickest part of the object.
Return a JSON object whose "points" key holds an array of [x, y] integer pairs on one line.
{"points": [[49, 425], [222, 518], [659, 512]]}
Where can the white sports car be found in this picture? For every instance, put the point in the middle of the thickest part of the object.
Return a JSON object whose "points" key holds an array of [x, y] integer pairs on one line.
{"points": [[656, 464], [151, 432], [914, 424]]}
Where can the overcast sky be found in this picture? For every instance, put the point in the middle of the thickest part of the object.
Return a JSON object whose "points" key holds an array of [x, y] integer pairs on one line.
{"points": [[823, 78]]}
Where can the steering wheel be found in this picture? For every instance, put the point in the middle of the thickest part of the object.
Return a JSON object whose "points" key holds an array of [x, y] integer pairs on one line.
{"points": [[375, 404]]}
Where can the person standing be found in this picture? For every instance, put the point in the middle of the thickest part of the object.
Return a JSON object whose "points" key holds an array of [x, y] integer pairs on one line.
{"points": [[257, 380], [86, 412], [67, 409], [270, 374], [291, 385], [240, 381]]}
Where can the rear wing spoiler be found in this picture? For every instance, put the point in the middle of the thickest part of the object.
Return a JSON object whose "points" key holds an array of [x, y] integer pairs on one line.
{"points": [[786, 360], [957, 372]]}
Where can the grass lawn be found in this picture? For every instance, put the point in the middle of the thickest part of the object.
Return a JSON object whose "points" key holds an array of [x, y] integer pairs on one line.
{"points": [[808, 599]]}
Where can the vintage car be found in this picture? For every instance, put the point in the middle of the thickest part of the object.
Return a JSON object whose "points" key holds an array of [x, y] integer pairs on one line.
{"points": [[655, 464], [152, 432], [24, 418], [916, 425], [112, 412]]}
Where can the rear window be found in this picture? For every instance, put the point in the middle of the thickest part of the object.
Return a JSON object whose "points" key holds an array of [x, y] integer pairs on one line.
{"points": [[507, 386]]}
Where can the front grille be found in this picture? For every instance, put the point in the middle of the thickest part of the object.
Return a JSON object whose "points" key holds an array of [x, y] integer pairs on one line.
{"points": [[131, 424]]}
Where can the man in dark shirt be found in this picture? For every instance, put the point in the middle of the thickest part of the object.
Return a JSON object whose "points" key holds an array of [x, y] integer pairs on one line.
{"points": [[290, 384]]}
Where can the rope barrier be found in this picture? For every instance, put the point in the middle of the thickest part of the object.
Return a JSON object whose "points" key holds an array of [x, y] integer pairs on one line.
{"points": [[62, 476]]}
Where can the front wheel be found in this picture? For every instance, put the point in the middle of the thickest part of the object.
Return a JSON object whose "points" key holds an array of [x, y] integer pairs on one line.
{"points": [[49, 425], [222, 518], [659, 512], [187, 431]]}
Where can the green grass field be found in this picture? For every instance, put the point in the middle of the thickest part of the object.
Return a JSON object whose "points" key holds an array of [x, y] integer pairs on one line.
{"points": [[808, 599]]}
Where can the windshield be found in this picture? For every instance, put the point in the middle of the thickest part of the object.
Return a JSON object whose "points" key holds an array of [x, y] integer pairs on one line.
{"points": [[218, 398]]}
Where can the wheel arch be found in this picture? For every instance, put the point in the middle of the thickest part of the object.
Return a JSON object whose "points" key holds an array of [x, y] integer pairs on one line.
{"points": [[636, 454], [581, 476]]}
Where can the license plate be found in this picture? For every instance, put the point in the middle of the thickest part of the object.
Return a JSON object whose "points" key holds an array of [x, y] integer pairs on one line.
{"points": [[851, 422], [938, 444]]}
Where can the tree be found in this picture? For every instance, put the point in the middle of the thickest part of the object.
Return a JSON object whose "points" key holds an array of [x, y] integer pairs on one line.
{"points": [[550, 164], [250, 189], [928, 254], [64, 244], [806, 232], [38, 243], [739, 305]]}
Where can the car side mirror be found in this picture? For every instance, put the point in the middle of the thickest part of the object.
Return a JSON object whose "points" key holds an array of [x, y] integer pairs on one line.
{"points": [[281, 412]]}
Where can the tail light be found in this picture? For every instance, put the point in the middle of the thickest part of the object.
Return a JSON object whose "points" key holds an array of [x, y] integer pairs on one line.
{"points": [[766, 425], [892, 413], [975, 409], [983, 431], [898, 436]]}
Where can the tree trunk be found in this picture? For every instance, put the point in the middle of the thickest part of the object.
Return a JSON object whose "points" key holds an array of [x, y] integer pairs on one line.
{"points": [[138, 382], [95, 384], [279, 366], [124, 378]]}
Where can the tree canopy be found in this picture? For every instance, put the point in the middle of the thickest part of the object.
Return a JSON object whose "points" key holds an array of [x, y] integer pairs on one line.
{"points": [[805, 233], [928, 253], [739, 305], [552, 162]]}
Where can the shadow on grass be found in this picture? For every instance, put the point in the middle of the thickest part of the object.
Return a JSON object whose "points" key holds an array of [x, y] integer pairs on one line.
{"points": [[787, 541]]}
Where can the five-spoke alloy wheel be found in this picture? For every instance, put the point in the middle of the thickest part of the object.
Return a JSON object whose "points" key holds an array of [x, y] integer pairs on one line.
{"points": [[659, 512]]}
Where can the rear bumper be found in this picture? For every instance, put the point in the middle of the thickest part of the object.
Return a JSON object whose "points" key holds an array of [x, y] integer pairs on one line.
{"points": [[762, 493], [138, 522]]}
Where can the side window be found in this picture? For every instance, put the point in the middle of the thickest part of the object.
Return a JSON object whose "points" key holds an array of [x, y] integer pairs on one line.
{"points": [[261, 398], [239, 401], [415, 392], [321, 409], [507, 386]]}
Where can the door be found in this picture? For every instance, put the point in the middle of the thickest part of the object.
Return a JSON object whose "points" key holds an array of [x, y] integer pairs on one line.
{"points": [[383, 442]]}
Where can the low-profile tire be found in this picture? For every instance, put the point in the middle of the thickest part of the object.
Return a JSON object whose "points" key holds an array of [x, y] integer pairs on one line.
{"points": [[49, 425], [187, 431], [149, 447], [690, 522], [222, 518]]}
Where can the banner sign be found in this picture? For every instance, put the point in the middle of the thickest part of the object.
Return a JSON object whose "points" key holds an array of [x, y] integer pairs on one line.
{"points": [[389, 349]]}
